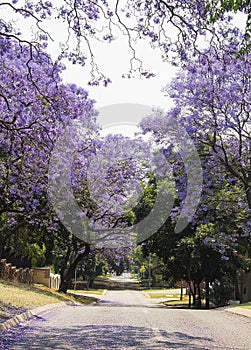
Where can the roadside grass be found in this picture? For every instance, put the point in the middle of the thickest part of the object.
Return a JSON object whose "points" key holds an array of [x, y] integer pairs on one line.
{"points": [[174, 302], [17, 297], [157, 289], [164, 293], [159, 295], [174, 298], [245, 305], [164, 290], [167, 294], [84, 291]]}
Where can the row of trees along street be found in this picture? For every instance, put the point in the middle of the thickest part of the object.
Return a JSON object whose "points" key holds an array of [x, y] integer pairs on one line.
{"points": [[211, 97]]}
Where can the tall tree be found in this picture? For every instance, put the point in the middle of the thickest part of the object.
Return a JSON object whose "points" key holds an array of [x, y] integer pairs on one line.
{"points": [[212, 103], [32, 117], [211, 96]]}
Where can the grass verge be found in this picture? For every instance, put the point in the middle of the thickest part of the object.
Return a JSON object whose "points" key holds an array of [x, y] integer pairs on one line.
{"points": [[84, 291], [159, 295], [177, 302], [246, 305], [156, 290], [16, 298]]}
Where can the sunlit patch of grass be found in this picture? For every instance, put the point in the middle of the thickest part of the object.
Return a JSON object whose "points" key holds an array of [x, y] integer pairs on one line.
{"points": [[156, 290], [246, 305], [25, 297], [163, 293], [184, 301], [158, 295], [89, 291]]}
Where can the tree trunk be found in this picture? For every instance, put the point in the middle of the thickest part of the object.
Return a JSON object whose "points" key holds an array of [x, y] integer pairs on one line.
{"points": [[66, 278], [248, 194], [237, 291], [90, 281], [194, 293], [207, 294], [191, 293], [64, 285], [181, 291], [199, 295], [67, 273], [189, 299], [2, 243]]}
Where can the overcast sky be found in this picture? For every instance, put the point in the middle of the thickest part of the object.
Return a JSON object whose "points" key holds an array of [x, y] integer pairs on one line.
{"points": [[114, 60]]}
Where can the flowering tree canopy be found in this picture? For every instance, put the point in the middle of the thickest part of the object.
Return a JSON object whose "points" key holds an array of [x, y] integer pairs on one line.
{"points": [[35, 111], [30, 121], [212, 102], [212, 98], [176, 27]]}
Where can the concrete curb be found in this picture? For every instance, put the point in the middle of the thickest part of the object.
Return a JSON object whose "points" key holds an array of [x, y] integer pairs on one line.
{"points": [[145, 294], [239, 311], [27, 314]]}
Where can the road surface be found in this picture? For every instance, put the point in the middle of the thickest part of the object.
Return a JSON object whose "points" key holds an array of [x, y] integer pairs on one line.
{"points": [[129, 320]]}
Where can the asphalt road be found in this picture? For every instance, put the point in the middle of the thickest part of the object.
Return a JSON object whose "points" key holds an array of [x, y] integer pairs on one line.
{"points": [[129, 320]]}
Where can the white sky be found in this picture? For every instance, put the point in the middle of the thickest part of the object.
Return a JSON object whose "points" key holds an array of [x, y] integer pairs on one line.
{"points": [[113, 60]]}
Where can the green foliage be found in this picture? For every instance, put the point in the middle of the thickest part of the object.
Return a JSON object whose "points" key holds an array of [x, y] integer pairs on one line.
{"points": [[37, 254], [146, 202], [93, 266], [218, 8], [221, 292]]}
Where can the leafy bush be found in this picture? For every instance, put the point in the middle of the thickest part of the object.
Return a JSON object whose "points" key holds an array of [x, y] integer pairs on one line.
{"points": [[220, 293]]}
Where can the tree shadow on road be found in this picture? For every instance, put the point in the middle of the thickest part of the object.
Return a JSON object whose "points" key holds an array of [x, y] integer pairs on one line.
{"points": [[106, 283], [110, 303], [100, 337]]}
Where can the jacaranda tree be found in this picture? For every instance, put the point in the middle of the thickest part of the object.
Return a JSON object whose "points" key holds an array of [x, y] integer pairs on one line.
{"points": [[31, 119], [35, 114], [212, 103]]}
